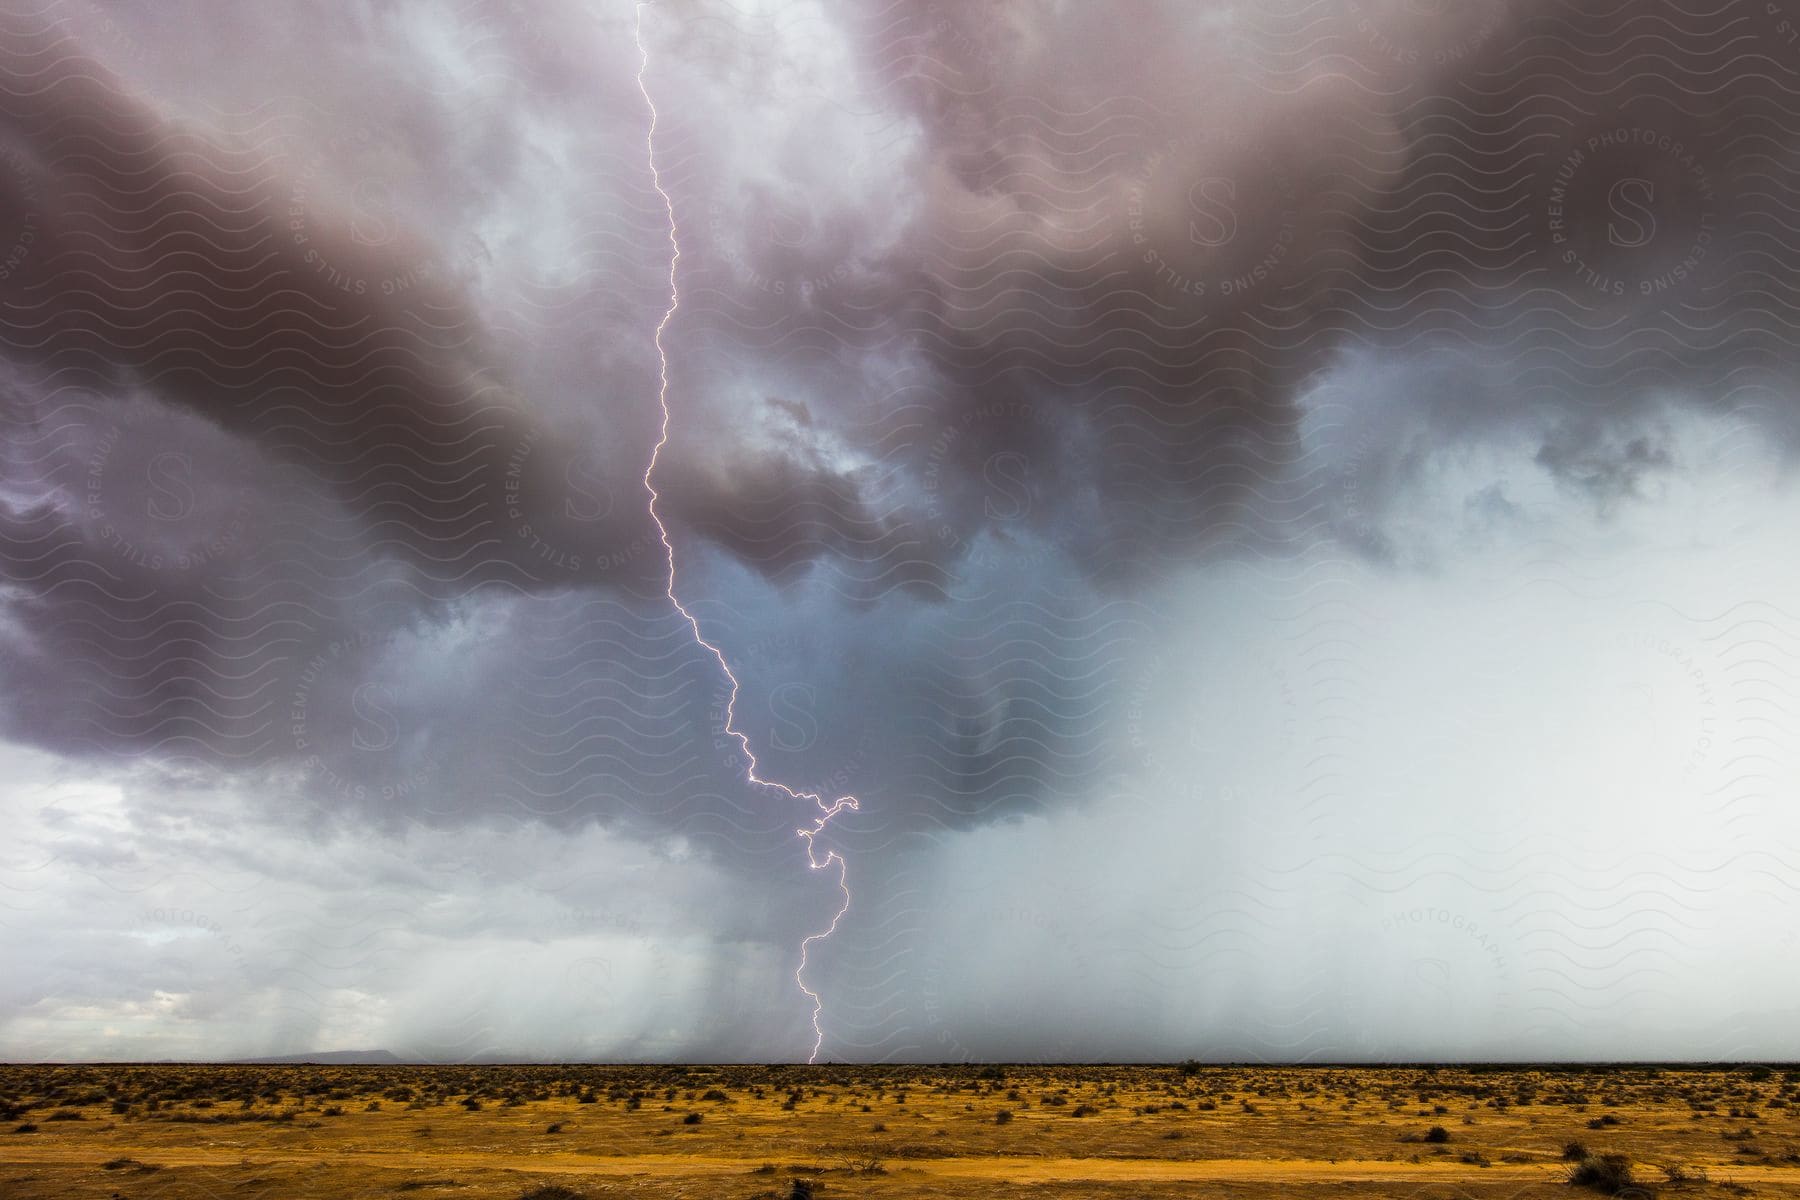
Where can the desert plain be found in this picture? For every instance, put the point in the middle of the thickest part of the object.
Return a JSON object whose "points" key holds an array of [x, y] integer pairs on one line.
{"points": [[548, 1132]]}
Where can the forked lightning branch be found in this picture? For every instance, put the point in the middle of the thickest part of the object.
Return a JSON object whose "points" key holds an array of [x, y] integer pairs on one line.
{"points": [[826, 810]]}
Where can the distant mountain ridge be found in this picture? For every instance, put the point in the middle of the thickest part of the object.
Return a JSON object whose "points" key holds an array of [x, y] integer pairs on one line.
{"points": [[325, 1058]]}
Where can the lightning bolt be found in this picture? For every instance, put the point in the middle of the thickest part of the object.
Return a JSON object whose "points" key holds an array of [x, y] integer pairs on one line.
{"points": [[826, 810]]}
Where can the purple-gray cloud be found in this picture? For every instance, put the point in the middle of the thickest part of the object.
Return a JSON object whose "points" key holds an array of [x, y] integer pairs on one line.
{"points": [[1017, 344]]}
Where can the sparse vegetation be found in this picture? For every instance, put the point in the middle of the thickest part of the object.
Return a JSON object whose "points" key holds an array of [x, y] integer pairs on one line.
{"points": [[252, 1131], [552, 1191], [1609, 1173], [1679, 1175]]}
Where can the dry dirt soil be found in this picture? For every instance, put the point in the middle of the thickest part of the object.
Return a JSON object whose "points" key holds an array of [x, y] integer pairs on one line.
{"points": [[888, 1133]]}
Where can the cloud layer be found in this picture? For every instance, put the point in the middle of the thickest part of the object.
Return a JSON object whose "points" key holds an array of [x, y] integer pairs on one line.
{"points": [[1242, 492]]}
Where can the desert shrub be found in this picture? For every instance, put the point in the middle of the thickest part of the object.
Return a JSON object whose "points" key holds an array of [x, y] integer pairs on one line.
{"points": [[551, 1191], [1609, 1173], [27, 1127], [1437, 1134], [1002, 1117], [862, 1162], [1574, 1151], [1084, 1110], [691, 1119], [554, 1127], [715, 1095]]}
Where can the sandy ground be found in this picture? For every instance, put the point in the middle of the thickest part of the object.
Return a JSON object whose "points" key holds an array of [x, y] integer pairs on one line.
{"points": [[120, 1133]]}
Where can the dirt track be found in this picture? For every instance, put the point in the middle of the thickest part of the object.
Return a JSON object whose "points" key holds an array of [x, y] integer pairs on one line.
{"points": [[1017, 1168]]}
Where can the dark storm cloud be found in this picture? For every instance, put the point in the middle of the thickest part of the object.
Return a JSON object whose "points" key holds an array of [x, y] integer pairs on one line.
{"points": [[243, 311], [256, 426], [1125, 247], [1023, 285], [251, 298], [1151, 226], [1608, 471], [781, 513], [275, 473], [1137, 242]]}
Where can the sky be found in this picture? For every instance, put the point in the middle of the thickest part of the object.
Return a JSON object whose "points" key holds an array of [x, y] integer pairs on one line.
{"points": [[1279, 513]]}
